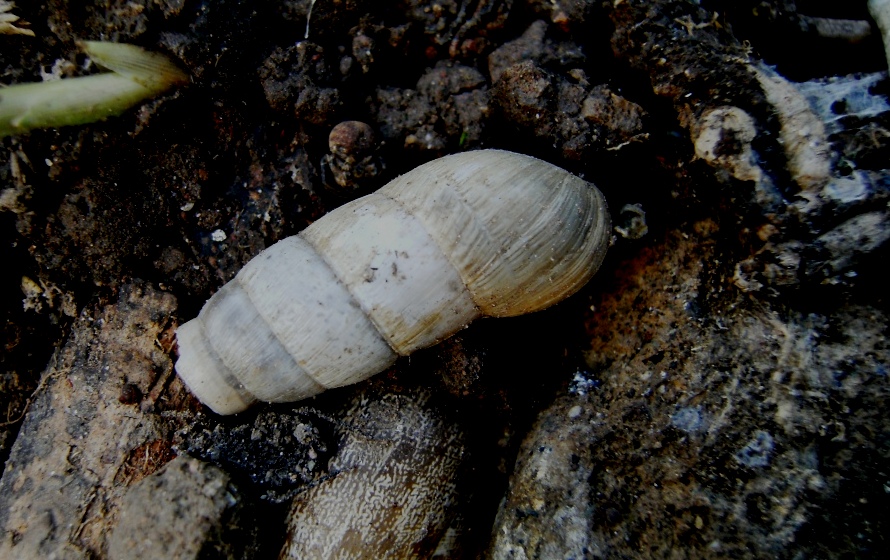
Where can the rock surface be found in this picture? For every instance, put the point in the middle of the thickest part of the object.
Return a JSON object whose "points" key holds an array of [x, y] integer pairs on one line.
{"points": [[80, 446], [177, 513], [737, 428]]}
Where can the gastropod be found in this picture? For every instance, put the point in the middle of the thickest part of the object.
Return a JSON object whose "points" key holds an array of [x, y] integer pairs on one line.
{"points": [[483, 233]]}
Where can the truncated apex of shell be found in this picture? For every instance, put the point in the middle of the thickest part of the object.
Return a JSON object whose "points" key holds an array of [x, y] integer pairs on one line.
{"points": [[485, 233]]}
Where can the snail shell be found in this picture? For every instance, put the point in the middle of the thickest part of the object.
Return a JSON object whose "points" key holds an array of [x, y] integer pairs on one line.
{"points": [[479, 233]]}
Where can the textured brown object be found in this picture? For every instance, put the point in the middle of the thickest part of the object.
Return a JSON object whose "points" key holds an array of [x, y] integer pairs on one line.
{"points": [[390, 486]]}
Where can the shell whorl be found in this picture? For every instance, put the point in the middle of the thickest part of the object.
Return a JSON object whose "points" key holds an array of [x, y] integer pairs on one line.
{"points": [[479, 233]]}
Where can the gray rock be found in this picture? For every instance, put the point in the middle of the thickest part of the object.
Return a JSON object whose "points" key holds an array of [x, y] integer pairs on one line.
{"points": [[175, 513]]}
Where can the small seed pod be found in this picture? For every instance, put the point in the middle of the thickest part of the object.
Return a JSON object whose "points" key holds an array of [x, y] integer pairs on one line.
{"points": [[485, 233]]}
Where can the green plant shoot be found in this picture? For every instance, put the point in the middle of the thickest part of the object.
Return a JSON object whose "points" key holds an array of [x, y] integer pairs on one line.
{"points": [[136, 74]]}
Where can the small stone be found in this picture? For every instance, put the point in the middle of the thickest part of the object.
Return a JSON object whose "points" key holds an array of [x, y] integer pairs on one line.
{"points": [[174, 513], [130, 394]]}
